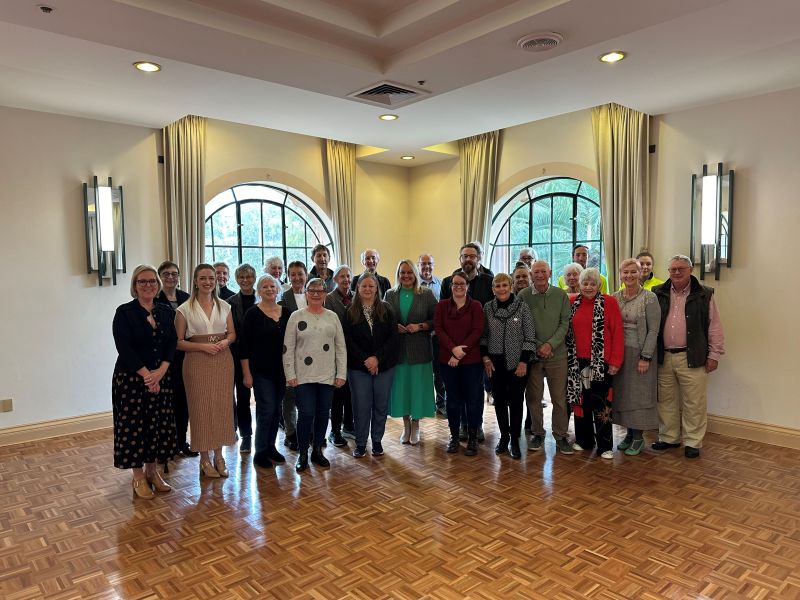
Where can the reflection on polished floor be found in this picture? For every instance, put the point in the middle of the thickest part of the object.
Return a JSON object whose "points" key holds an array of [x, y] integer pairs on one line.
{"points": [[415, 523]]}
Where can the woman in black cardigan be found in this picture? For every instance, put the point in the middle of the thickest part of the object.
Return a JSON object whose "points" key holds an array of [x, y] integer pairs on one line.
{"points": [[370, 330], [141, 391], [170, 295]]}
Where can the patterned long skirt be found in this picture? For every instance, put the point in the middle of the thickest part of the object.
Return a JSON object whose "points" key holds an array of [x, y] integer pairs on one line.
{"points": [[144, 423]]}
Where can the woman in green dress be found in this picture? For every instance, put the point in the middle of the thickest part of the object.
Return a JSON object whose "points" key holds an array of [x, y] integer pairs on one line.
{"points": [[412, 391]]}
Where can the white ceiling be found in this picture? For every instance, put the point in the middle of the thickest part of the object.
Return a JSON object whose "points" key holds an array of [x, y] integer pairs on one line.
{"points": [[289, 64]]}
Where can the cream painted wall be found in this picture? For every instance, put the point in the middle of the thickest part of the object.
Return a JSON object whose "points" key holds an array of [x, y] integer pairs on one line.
{"points": [[383, 220], [760, 139], [436, 214], [241, 153], [57, 354]]}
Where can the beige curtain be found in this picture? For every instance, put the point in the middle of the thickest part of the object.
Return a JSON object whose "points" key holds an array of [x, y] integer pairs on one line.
{"points": [[340, 181], [621, 141], [184, 179], [480, 160]]}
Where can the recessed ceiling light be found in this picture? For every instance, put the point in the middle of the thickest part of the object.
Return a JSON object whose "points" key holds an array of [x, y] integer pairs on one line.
{"points": [[147, 66], [407, 157], [612, 57], [388, 117]]}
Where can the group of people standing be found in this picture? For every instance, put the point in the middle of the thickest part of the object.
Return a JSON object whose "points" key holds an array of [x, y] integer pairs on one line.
{"points": [[330, 346]]}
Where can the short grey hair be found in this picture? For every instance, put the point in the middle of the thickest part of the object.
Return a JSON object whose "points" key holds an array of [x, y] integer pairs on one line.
{"points": [[590, 273], [573, 266], [273, 260], [681, 257], [340, 269], [245, 268], [364, 254]]}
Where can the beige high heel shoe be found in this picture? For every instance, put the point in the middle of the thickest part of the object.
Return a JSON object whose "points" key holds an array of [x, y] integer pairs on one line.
{"points": [[208, 470], [158, 483], [414, 437], [406, 435], [141, 489], [222, 469]]}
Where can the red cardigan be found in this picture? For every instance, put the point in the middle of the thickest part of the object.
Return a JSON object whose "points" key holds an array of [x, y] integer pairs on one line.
{"points": [[457, 327], [613, 335]]}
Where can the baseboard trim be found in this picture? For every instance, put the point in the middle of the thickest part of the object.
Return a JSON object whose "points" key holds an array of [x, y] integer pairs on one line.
{"points": [[775, 435], [754, 431], [33, 432]]}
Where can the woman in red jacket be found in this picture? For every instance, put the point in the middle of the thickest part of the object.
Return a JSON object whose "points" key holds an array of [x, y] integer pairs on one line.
{"points": [[458, 321], [595, 351]]}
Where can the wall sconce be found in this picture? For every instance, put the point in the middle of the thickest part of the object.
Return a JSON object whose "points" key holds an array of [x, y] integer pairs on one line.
{"points": [[105, 230], [712, 220]]}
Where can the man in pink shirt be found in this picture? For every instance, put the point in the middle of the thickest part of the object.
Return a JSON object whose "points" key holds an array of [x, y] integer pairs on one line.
{"points": [[690, 343]]}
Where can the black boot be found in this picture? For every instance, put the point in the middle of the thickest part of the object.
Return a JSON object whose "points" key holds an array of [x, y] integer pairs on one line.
{"points": [[513, 448], [472, 443], [502, 444], [453, 445], [318, 458], [291, 441], [302, 461]]}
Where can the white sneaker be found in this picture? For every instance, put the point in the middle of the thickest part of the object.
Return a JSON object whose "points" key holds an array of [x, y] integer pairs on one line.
{"points": [[577, 447], [607, 454]]}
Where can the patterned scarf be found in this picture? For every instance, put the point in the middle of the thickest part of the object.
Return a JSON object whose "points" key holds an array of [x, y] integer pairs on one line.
{"points": [[597, 363]]}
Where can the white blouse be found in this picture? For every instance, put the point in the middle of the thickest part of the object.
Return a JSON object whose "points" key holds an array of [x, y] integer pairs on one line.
{"points": [[197, 323]]}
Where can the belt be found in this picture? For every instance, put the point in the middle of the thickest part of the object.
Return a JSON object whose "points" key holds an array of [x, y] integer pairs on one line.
{"points": [[674, 350]]}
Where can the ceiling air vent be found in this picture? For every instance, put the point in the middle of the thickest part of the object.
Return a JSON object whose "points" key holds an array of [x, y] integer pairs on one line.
{"points": [[540, 42], [387, 94]]}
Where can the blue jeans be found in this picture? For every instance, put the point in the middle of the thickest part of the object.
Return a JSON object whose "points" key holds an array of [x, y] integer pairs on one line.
{"points": [[370, 394], [269, 398], [464, 385], [313, 407]]}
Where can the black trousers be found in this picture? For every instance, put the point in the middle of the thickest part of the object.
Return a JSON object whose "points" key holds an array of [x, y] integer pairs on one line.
{"points": [[242, 419], [342, 409], [509, 396], [594, 427], [438, 382], [179, 405]]}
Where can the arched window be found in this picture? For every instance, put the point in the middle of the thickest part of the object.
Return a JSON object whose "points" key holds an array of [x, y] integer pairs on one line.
{"points": [[251, 222], [550, 216]]}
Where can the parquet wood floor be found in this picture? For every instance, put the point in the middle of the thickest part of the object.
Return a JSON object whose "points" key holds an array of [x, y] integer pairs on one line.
{"points": [[415, 523]]}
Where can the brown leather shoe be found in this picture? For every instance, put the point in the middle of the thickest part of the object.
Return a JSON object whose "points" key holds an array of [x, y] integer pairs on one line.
{"points": [[141, 489]]}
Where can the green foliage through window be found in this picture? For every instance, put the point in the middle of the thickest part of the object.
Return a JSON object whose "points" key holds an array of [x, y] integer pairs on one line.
{"points": [[252, 222], [549, 216]]}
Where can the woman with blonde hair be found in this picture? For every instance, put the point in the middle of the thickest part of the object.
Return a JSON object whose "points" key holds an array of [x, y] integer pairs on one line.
{"points": [[141, 389], [412, 389], [205, 333], [636, 383]]}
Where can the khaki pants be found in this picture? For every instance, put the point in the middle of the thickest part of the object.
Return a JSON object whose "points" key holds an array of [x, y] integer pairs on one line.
{"points": [[555, 369], [681, 401]]}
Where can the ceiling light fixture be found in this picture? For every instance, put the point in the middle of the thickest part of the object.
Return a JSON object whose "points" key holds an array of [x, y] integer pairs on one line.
{"points": [[388, 117], [407, 157], [147, 66], [612, 57]]}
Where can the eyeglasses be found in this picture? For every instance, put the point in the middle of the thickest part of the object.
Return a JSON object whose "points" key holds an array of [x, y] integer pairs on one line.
{"points": [[315, 292], [678, 269], [459, 285], [470, 256], [169, 274], [147, 282]]}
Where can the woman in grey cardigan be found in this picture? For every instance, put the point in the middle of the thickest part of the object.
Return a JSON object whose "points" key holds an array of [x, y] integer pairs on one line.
{"points": [[507, 346], [412, 390], [635, 384]]}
